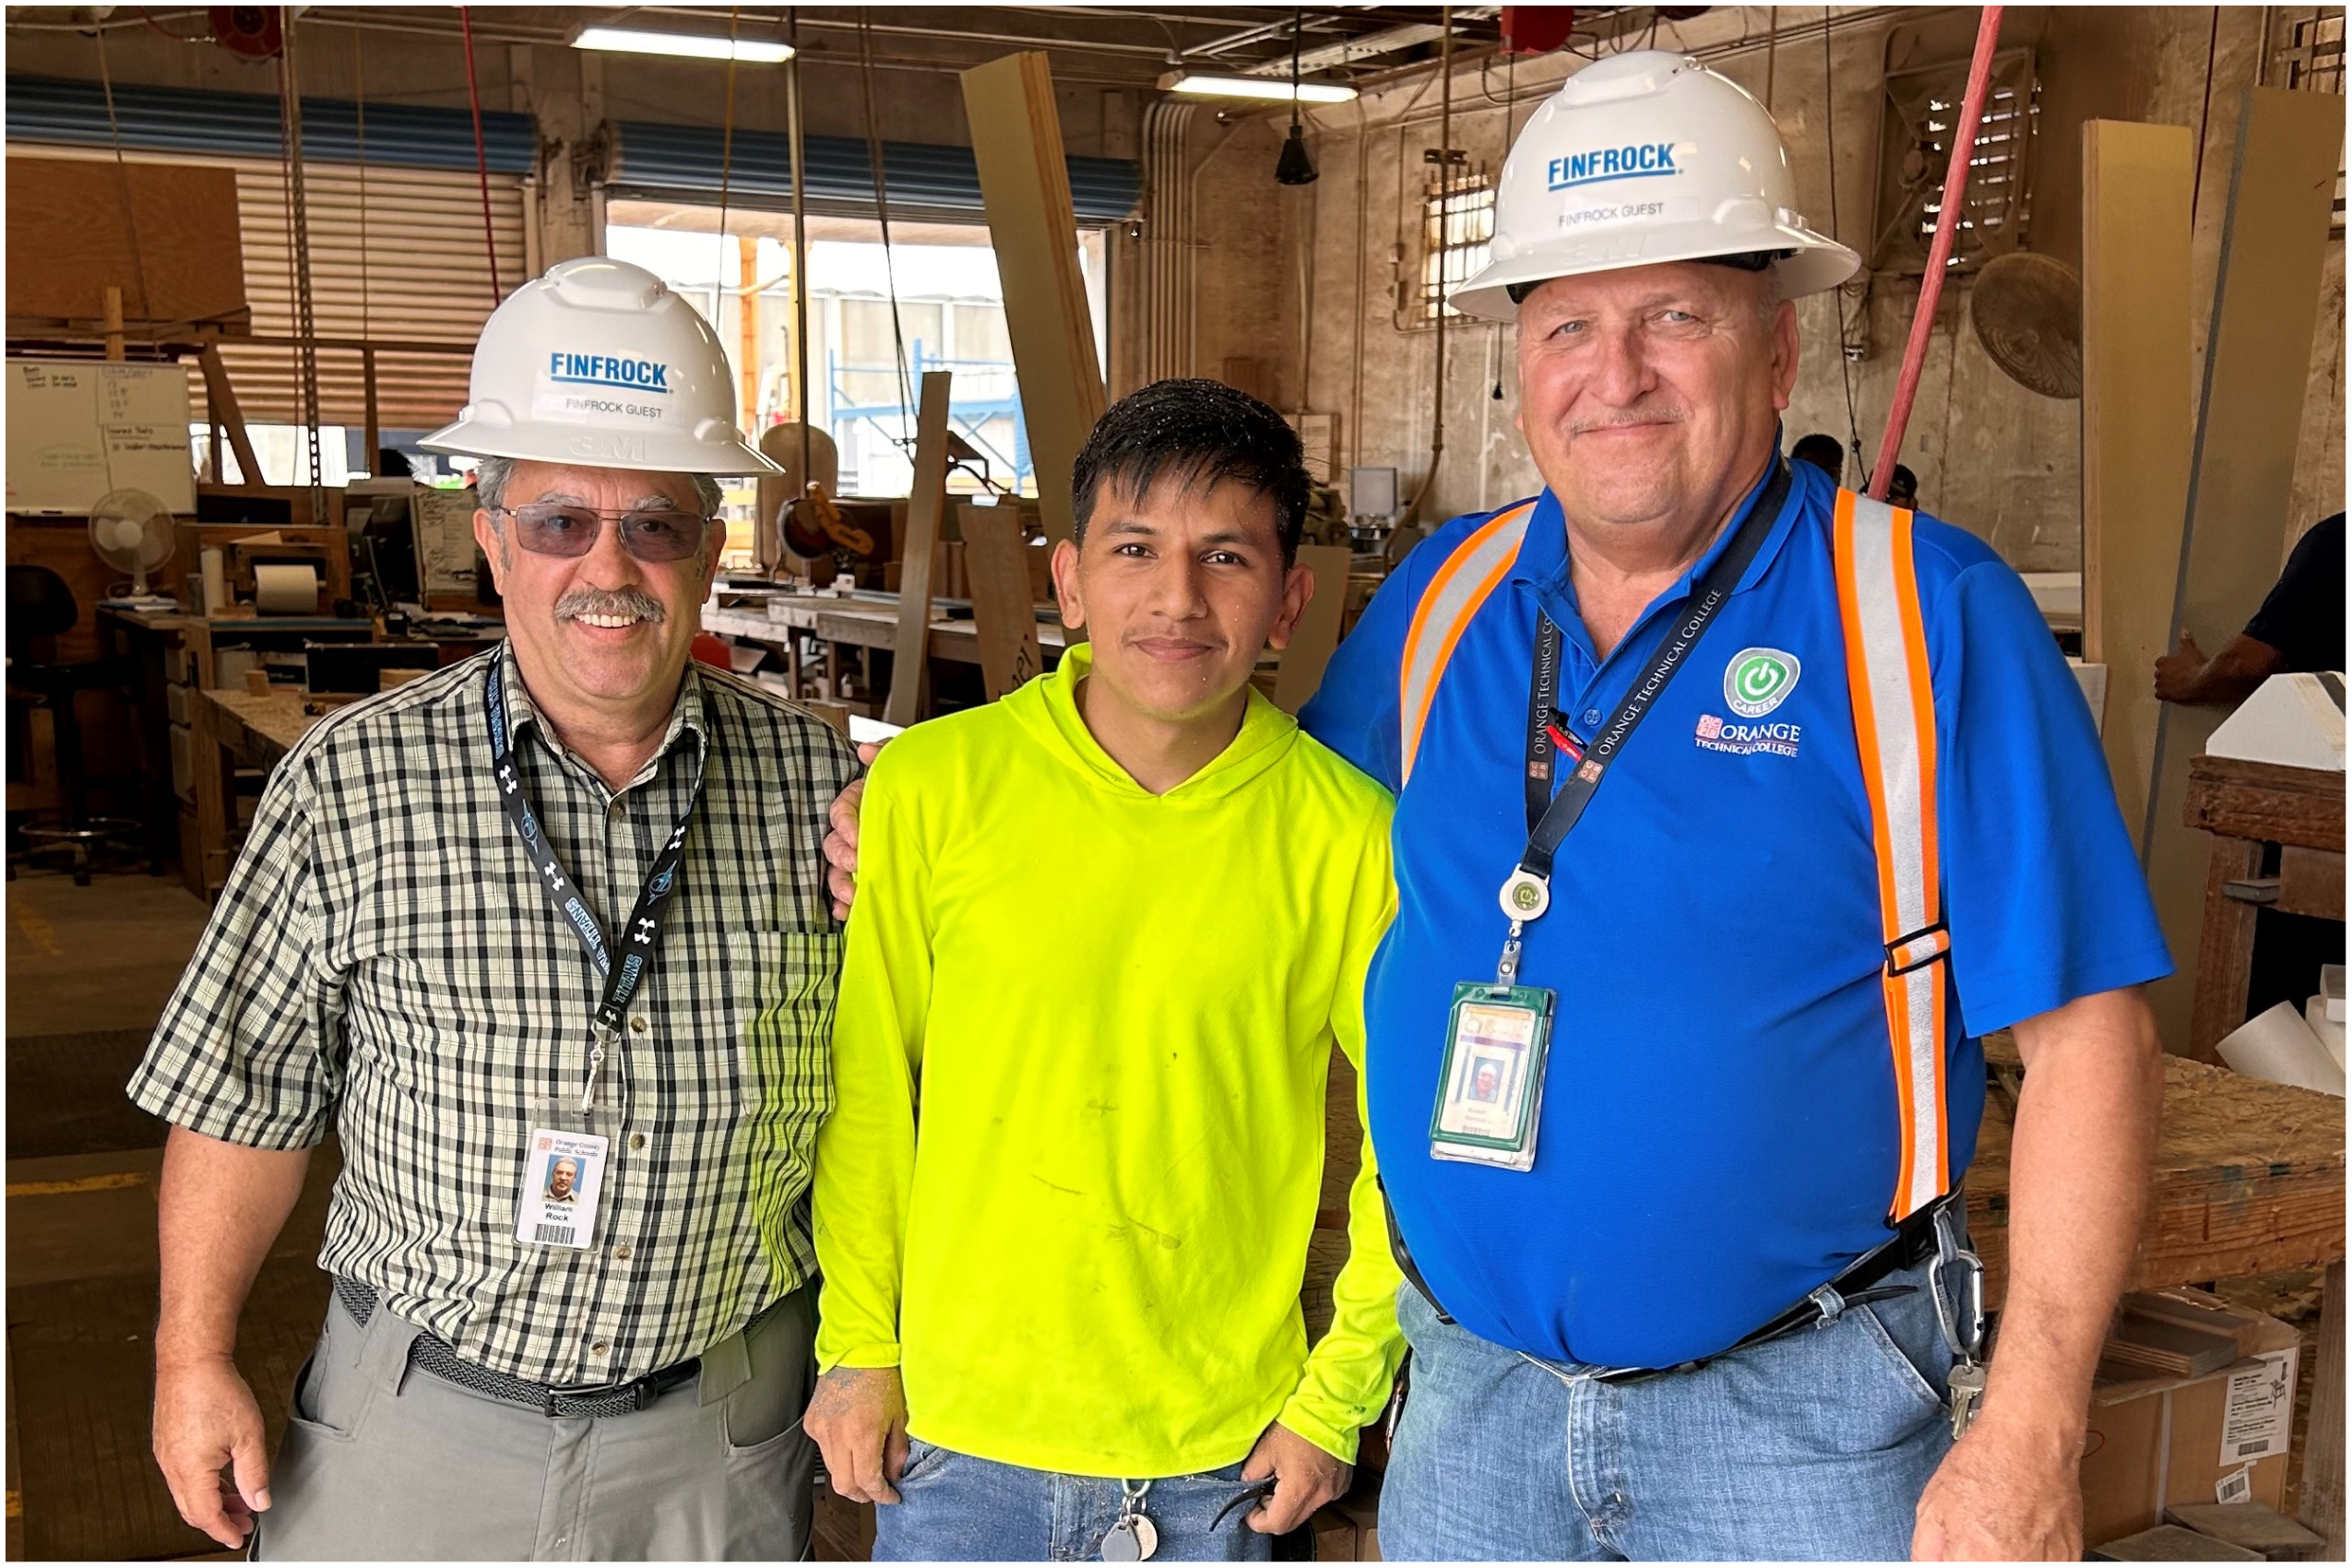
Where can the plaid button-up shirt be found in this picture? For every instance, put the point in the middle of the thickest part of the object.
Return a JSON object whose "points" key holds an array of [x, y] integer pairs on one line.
{"points": [[382, 960]]}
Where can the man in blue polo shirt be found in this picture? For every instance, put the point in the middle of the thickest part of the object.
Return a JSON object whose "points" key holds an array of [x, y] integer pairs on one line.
{"points": [[1671, 1063]]}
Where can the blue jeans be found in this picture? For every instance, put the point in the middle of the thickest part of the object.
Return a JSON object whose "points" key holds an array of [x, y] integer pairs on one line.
{"points": [[1811, 1447], [955, 1508]]}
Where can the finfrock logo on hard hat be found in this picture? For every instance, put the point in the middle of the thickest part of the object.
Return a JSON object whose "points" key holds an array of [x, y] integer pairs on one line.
{"points": [[608, 369], [1759, 680], [1640, 162]]}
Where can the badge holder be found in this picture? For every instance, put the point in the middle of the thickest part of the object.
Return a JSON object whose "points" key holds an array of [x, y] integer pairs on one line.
{"points": [[1498, 1036], [564, 1161]]}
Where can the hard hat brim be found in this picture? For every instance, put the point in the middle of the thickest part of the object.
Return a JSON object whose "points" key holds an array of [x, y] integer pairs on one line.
{"points": [[591, 448], [1816, 262]]}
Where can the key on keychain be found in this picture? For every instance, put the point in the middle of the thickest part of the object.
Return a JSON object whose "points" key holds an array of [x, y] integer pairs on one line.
{"points": [[1967, 1389], [1134, 1537]]}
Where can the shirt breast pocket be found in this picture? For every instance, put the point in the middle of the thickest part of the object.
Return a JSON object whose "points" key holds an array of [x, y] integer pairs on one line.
{"points": [[781, 990]]}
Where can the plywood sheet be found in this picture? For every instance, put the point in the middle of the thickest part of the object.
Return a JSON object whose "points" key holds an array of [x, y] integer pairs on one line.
{"points": [[2136, 422], [2250, 414], [1003, 615], [1017, 141], [177, 258], [910, 650], [1317, 633]]}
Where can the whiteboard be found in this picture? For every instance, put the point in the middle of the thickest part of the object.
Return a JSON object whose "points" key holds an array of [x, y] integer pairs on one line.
{"points": [[78, 429]]}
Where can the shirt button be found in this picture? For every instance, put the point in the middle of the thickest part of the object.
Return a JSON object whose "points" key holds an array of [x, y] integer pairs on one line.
{"points": [[1592, 716], [599, 1348], [638, 1024], [615, 811], [636, 1140], [622, 1251]]}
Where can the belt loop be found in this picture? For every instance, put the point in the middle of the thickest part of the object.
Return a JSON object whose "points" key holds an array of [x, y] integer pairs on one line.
{"points": [[725, 1366], [384, 1354]]}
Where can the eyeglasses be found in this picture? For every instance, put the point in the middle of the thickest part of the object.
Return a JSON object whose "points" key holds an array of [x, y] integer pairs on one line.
{"points": [[649, 533]]}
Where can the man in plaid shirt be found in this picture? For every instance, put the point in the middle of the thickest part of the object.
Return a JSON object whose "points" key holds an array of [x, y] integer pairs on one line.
{"points": [[557, 908]]}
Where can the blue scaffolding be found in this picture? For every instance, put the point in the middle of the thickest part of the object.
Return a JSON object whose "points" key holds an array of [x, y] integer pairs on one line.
{"points": [[966, 415]]}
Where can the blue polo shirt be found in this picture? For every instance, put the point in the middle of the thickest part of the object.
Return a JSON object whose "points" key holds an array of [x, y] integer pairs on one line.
{"points": [[1720, 1126]]}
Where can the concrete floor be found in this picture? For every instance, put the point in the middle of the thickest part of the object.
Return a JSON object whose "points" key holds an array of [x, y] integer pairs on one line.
{"points": [[89, 972]]}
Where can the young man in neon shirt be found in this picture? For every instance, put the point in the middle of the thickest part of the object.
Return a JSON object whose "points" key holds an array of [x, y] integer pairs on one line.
{"points": [[1107, 934]]}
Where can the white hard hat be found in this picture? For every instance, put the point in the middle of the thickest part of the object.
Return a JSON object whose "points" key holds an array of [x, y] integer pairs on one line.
{"points": [[1647, 157], [599, 363]]}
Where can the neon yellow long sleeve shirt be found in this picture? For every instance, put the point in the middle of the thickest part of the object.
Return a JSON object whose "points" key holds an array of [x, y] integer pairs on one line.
{"points": [[1080, 1057]]}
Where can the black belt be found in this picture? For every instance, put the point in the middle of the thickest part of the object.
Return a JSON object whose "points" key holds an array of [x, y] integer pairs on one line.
{"points": [[429, 1354], [1913, 1244]]}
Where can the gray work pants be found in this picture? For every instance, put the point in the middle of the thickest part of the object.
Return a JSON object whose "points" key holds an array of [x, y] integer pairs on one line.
{"points": [[383, 1461]]}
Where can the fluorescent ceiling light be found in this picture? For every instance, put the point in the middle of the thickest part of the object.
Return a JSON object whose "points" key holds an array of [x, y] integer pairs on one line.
{"points": [[694, 47], [1269, 89]]}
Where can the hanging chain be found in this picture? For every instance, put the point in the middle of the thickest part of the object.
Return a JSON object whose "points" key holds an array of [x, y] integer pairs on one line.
{"points": [[298, 221]]}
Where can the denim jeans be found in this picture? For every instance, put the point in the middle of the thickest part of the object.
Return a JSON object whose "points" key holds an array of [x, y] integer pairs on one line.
{"points": [[1811, 1447], [955, 1508]]}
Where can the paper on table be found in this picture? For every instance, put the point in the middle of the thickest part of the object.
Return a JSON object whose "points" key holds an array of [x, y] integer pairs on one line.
{"points": [[2280, 1047]]}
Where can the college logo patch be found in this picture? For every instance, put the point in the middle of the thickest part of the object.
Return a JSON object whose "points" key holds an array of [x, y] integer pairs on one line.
{"points": [[1718, 734], [1759, 680]]}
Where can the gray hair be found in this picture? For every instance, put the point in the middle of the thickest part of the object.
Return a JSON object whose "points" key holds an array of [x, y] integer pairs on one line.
{"points": [[491, 474]]}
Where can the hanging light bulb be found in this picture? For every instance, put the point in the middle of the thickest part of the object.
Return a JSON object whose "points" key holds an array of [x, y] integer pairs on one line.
{"points": [[1296, 165]]}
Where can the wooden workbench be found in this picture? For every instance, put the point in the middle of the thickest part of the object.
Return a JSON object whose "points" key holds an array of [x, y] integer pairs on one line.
{"points": [[2248, 806], [229, 730], [867, 622]]}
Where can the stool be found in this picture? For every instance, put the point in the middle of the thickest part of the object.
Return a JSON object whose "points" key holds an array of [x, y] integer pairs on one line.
{"points": [[41, 608]]}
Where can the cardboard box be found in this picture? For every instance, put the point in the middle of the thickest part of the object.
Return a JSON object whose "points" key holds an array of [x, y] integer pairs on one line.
{"points": [[2156, 1441]]}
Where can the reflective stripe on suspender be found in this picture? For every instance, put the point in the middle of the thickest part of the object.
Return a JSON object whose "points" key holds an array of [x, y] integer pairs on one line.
{"points": [[1474, 569], [1886, 668]]}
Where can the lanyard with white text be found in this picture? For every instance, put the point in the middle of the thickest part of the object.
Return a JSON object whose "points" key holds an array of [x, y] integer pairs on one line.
{"points": [[621, 981], [1527, 894]]}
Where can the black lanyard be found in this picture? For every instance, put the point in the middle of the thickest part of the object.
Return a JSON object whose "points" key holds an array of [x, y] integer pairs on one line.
{"points": [[1551, 817], [638, 939]]}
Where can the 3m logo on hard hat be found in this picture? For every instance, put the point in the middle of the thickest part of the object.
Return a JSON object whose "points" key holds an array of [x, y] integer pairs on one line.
{"points": [[1612, 163], [605, 370]]}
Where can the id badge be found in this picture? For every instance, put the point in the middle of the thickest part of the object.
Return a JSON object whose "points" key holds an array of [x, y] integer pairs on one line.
{"points": [[1490, 1099], [563, 1177]]}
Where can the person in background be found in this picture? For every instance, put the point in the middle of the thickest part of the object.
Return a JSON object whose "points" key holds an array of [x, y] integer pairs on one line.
{"points": [[1903, 490], [542, 938], [1823, 451], [2299, 628], [1064, 1195]]}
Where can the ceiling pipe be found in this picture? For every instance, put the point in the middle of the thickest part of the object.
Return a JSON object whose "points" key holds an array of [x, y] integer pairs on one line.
{"points": [[1947, 227]]}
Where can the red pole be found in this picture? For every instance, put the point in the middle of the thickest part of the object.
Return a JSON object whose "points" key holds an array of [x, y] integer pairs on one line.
{"points": [[1947, 224], [482, 157]]}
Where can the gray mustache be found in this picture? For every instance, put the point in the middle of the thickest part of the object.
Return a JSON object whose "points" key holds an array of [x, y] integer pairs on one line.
{"points": [[609, 601]]}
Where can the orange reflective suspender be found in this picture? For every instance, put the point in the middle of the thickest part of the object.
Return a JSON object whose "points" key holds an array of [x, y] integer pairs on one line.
{"points": [[1461, 585], [1886, 673], [1887, 677]]}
